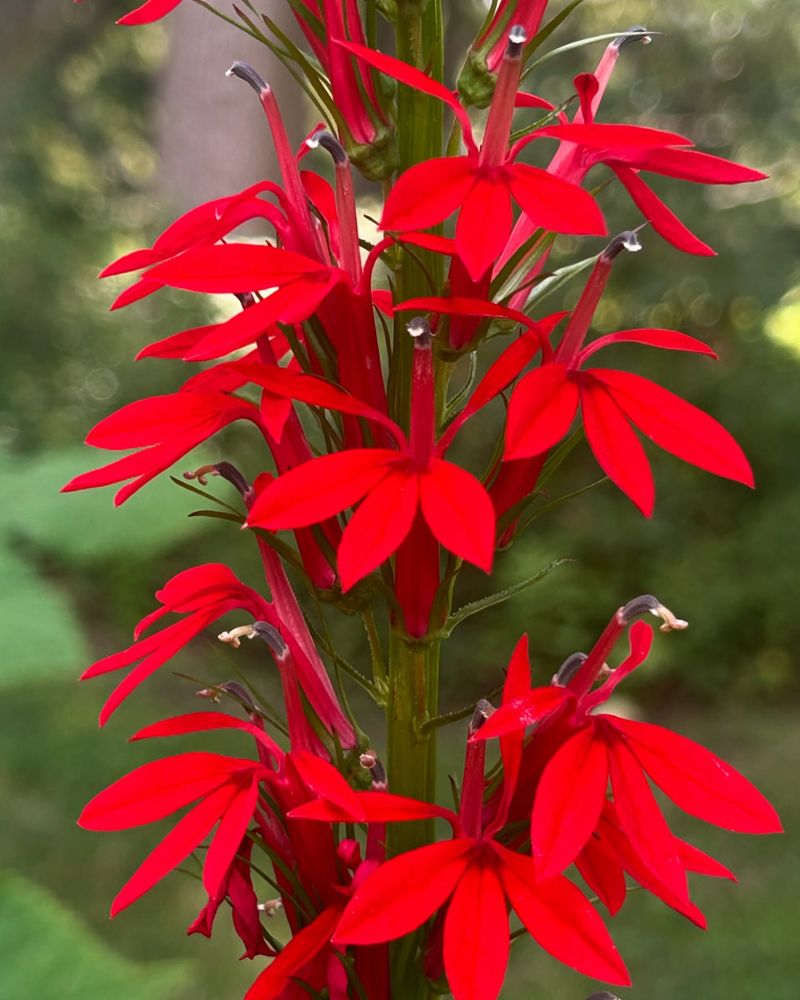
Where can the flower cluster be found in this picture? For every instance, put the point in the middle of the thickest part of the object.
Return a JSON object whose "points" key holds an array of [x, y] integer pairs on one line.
{"points": [[341, 354]]}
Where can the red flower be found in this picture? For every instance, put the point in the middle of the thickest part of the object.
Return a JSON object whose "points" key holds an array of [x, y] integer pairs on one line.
{"points": [[227, 788], [151, 10], [571, 791], [482, 184]]}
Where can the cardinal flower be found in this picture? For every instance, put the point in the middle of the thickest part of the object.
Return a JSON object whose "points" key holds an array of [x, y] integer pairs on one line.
{"points": [[545, 402], [227, 790], [476, 878], [482, 185], [595, 748]]}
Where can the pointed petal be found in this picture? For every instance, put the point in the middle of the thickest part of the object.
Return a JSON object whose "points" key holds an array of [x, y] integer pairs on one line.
{"points": [[695, 860], [561, 920], [201, 722], [661, 218], [320, 488], [522, 711], [677, 426], [476, 939], [157, 789], [641, 819], [459, 512], [697, 780], [230, 833], [602, 871], [484, 225], [400, 895], [151, 10], [667, 340], [324, 780], [234, 267], [428, 193], [616, 447], [553, 203], [599, 136], [178, 844], [542, 408], [690, 165], [378, 527], [569, 799], [373, 807], [298, 952]]}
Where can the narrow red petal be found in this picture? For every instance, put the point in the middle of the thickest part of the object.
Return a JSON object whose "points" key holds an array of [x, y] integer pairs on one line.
{"points": [[320, 488], [690, 165], [553, 203], [541, 410], [522, 711], [428, 193], [599, 136], [484, 225], [459, 512], [230, 833], [378, 527], [233, 267], [305, 945], [661, 218], [559, 918], [667, 340], [152, 10], [476, 939], [178, 844], [569, 799], [403, 893], [697, 780], [677, 426], [616, 447]]}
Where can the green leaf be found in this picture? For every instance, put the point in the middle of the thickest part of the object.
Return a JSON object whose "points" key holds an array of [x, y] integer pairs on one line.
{"points": [[45, 952], [468, 610]]}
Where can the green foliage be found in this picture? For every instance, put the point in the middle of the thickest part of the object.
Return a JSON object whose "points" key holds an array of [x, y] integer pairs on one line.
{"points": [[46, 953]]}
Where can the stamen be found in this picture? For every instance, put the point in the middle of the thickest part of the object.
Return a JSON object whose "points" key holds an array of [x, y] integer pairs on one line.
{"points": [[638, 33], [245, 72], [568, 669], [648, 603], [235, 636], [329, 142], [270, 907], [272, 638], [482, 712], [420, 330], [517, 37], [371, 762], [627, 240], [201, 474]]}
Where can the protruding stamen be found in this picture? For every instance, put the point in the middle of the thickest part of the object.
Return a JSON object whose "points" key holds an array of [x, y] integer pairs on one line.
{"points": [[201, 474], [648, 603], [628, 240], [482, 712], [270, 907], [638, 33], [517, 37], [246, 72], [371, 762], [241, 694], [420, 330], [235, 636], [272, 637], [329, 142], [568, 669], [210, 694], [224, 469]]}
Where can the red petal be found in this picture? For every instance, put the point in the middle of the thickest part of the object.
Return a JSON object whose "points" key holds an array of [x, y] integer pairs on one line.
{"points": [[428, 193], [230, 833], [476, 940], [297, 953], [374, 807], [695, 860], [640, 637], [541, 410], [697, 780], [459, 512], [611, 136], [616, 447], [677, 426], [641, 819], [320, 488], [411, 77], [178, 844], [553, 203], [378, 527], [484, 225], [602, 871], [560, 918], [668, 340], [152, 10], [201, 722], [157, 789], [691, 165], [400, 895], [662, 219], [569, 799], [234, 267], [324, 780], [522, 711]]}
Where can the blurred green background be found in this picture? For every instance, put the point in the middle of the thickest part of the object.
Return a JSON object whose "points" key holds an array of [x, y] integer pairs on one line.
{"points": [[90, 118]]}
